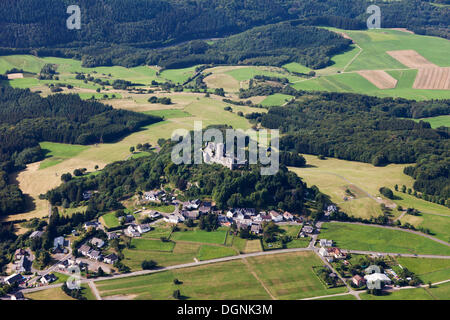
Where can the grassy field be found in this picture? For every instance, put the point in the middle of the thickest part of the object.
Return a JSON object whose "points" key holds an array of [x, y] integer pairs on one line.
{"points": [[334, 176], [440, 292], [436, 122], [110, 220], [277, 99], [374, 44], [58, 152], [212, 252], [152, 245], [230, 280], [169, 113], [370, 238], [294, 279], [160, 229], [344, 297], [217, 237], [433, 270], [48, 294], [438, 225], [290, 276]]}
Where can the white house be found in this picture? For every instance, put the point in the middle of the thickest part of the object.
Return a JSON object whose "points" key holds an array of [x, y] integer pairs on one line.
{"points": [[288, 216], [375, 277], [48, 278], [174, 218], [276, 217], [132, 231], [326, 243], [143, 228]]}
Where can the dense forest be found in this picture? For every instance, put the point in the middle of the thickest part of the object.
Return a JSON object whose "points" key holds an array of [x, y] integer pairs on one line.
{"points": [[121, 32], [369, 129], [228, 188], [27, 119]]}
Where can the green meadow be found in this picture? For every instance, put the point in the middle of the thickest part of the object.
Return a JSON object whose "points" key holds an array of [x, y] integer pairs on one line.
{"points": [[435, 122], [201, 236], [58, 152], [372, 238], [433, 270]]}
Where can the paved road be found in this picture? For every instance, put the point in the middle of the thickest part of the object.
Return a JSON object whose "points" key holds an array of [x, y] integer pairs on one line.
{"points": [[406, 255], [399, 229]]}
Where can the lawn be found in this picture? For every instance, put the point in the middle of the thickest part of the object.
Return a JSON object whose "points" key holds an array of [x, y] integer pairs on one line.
{"points": [[201, 236], [110, 220], [213, 252], [433, 270], [372, 238], [290, 276], [438, 225], [152, 245]]}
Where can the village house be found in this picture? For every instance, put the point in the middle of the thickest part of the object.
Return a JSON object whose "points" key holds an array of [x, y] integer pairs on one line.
{"points": [[256, 228], [95, 255], [276, 217], [143, 228], [36, 234], [99, 243], [288, 216], [111, 258], [14, 278], [153, 214], [174, 218], [92, 224], [326, 243], [113, 235], [191, 205], [84, 249], [48, 278], [190, 214], [377, 277], [333, 253], [154, 195], [358, 280], [58, 242], [132, 231], [308, 229], [23, 265], [205, 208], [18, 296]]}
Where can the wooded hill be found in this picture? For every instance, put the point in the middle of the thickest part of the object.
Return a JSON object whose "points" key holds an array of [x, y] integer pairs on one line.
{"points": [[228, 188], [120, 32], [27, 119], [368, 129]]}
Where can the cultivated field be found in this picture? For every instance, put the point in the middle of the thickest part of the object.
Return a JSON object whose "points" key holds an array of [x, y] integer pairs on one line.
{"points": [[381, 79], [411, 59], [434, 78]]}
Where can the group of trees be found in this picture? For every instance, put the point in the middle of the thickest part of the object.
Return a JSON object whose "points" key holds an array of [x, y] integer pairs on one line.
{"points": [[368, 129], [228, 188], [27, 119]]}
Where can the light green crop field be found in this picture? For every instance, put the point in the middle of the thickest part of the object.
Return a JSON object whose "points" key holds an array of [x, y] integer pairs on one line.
{"points": [[433, 270], [213, 252], [201, 236], [277, 99], [436, 122], [99, 96], [438, 225], [228, 280], [182, 253], [294, 279], [409, 201], [152, 245], [58, 152], [160, 229], [297, 67], [372, 238], [440, 292]]}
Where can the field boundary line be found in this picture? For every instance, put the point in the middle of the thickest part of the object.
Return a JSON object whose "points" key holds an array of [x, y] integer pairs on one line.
{"points": [[249, 267]]}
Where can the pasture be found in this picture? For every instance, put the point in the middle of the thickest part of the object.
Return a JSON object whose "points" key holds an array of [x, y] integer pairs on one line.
{"points": [[237, 279], [433, 270], [372, 238], [201, 236]]}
